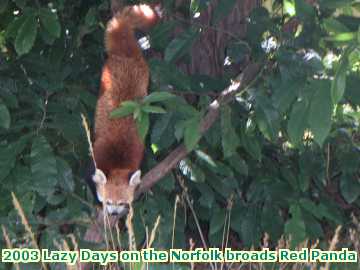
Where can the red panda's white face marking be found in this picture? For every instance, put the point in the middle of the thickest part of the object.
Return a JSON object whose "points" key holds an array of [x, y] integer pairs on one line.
{"points": [[116, 198]]}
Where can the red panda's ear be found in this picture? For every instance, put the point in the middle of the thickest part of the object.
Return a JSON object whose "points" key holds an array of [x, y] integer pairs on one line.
{"points": [[135, 178], [159, 10], [99, 177]]}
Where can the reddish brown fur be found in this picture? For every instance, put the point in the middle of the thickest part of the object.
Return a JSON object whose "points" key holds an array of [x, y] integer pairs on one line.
{"points": [[118, 149]]}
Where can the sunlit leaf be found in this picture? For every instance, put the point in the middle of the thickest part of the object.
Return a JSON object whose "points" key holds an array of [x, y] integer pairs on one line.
{"points": [[158, 97], [126, 108], [152, 109]]}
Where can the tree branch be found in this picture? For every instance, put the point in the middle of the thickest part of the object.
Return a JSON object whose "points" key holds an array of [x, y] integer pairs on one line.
{"points": [[180, 152]]}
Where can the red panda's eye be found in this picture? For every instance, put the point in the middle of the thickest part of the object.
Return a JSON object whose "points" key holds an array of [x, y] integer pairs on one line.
{"points": [[125, 205]]}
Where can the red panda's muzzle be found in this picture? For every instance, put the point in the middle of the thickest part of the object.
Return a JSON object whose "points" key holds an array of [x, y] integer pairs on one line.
{"points": [[117, 209]]}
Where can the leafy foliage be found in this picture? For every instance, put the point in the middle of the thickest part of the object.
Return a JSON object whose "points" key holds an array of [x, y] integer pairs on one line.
{"points": [[283, 157]]}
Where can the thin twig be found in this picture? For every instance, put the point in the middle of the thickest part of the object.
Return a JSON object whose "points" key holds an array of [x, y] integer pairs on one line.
{"points": [[43, 118]]}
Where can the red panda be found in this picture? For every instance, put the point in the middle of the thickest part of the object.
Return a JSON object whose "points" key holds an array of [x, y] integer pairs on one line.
{"points": [[118, 149]]}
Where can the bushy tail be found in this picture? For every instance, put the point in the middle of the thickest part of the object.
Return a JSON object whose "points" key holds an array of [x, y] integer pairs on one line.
{"points": [[119, 34]]}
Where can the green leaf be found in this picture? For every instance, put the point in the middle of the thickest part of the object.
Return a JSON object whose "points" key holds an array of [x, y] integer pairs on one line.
{"points": [[295, 226], [338, 86], [313, 227], [311, 207], [304, 181], [163, 73], [289, 176], [65, 175], [303, 9], [4, 117], [26, 35], [267, 117], [126, 108], [7, 161], [238, 164], [158, 97], [230, 140], [160, 35], [339, 83], [342, 37], [9, 153], [167, 183], [289, 7], [217, 220], [180, 45], [350, 188], [334, 3], [330, 212], [50, 21], [222, 9], [207, 195], [250, 228], [298, 121], [142, 123], [271, 221], [162, 132], [43, 166], [13, 28], [251, 145], [91, 17], [320, 112], [334, 26], [192, 133], [152, 109], [3, 5], [20, 3], [46, 37]]}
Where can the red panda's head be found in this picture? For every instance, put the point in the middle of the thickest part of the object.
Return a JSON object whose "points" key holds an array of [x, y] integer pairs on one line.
{"points": [[116, 191]]}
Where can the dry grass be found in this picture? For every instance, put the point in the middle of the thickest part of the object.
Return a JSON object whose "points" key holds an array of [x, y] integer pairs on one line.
{"points": [[26, 224], [8, 243], [338, 240]]}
